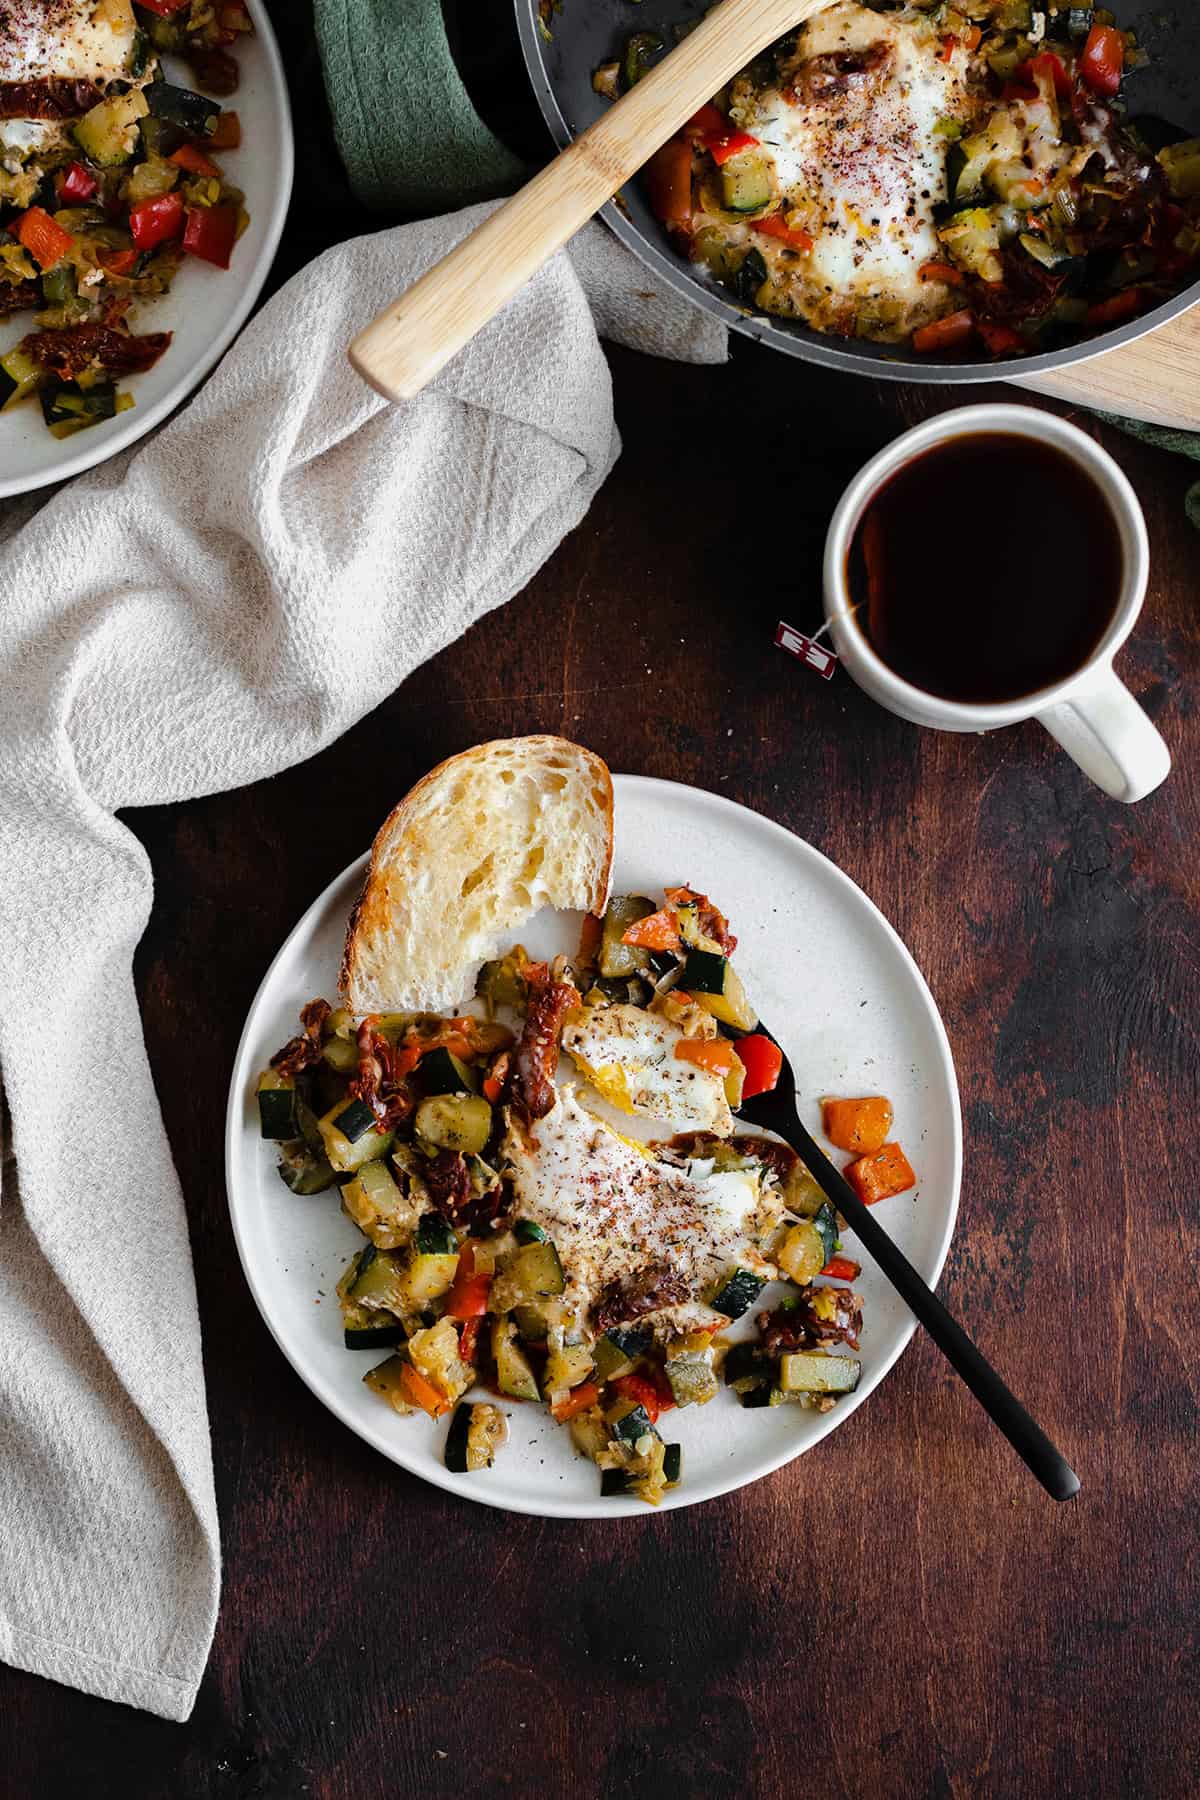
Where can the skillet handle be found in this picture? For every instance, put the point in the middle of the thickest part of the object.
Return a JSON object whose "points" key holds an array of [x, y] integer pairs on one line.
{"points": [[407, 344]]}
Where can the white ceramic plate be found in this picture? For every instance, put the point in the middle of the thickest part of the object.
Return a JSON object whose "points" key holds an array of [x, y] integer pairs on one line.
{"points": [[832, 980], [205, 308]]}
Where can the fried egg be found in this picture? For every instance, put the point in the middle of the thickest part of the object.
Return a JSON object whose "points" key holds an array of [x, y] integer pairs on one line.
{"points": [[618, 1216], [857, 132], [629, 1057], [66, 40]]}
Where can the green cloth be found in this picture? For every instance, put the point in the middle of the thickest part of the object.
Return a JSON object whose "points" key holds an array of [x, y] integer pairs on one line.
{"points": [[1164, 437], [408, 133]]}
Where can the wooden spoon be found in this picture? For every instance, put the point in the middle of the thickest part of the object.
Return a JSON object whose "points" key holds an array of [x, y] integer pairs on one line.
{"points": [[408, 343]]}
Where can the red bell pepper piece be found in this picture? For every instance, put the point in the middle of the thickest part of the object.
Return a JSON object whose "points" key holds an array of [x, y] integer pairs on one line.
{"points": [[1118, 307], [119, 262], [77, 184], [731, 143], [193, 159], [42, 236], [164, 8], [644, 1391], [468, 1296], [949, 333], [155, 221], [840, 1268], [1046, 63], [941, 271], [776, 226], [577, 1401], [1000, 339], [1103, 61], [710, 121], [763, 1060], [468, 1339], [210, 234]]}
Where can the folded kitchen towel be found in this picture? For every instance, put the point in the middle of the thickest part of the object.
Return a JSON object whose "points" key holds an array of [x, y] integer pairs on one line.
{"points": [[202, 611], [407, 130]]}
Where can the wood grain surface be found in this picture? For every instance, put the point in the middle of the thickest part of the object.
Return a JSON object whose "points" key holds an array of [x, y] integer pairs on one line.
{"points": [[900, 1615]]}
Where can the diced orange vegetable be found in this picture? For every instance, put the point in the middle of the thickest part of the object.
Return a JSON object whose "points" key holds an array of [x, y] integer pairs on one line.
{"points": [[43, 237], [715, 1054], [941, 271], [776, 226], [419, 1392], [226, 133], [577, 1401], [860, 1126], [841, 1268], [950, 333], [881, 1175], [668, 179], [660, 931], [193, 159]]}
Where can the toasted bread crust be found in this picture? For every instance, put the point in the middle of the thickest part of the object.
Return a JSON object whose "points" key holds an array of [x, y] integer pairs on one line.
{"points": [[402, 856]]}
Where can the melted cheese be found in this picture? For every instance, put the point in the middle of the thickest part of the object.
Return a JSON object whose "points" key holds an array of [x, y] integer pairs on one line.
{"points": [[628, 1055], [859, 158], [617, 1214], [69, 40]]}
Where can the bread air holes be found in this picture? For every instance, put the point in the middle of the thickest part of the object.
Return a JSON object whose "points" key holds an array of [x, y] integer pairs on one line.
{"points": [[477, 876]]}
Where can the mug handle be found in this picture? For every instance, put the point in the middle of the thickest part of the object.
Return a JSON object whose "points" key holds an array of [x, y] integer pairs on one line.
{"points": [[1106, 732]]}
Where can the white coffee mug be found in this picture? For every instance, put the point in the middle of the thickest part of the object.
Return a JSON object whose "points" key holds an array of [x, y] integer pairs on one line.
{"points": [[1091, 712]]}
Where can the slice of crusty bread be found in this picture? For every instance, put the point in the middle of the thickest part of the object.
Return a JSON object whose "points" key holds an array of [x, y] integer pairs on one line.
{"points": [[477, 847]]}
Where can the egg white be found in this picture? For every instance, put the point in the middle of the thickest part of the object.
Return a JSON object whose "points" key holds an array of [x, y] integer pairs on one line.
{"points": [[628, 1055], [861, 167], [615, 1212], [70, 40]]}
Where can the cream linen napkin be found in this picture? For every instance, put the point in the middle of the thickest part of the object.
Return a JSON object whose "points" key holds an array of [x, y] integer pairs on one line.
{"points": [[209, 608]]}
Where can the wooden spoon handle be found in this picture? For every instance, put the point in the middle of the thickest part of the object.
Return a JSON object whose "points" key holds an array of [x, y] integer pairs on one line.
{"points": [[409, 342]]}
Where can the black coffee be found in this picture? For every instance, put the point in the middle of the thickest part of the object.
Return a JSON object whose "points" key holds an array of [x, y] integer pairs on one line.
{"points": [[987, 568]]}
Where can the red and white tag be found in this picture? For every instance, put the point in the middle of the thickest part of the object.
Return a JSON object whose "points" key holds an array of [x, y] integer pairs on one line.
{"points": [[807, 649]]}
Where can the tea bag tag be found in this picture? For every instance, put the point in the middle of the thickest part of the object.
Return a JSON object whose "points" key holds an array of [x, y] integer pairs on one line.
{"points": [[809, 650]]}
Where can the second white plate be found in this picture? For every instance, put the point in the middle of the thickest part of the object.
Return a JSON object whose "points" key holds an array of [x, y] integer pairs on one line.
{"points": [[206, 307], [834, 983]]}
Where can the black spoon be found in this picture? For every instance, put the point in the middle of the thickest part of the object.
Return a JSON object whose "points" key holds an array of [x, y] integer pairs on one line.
{"points": [[776, 1110]]}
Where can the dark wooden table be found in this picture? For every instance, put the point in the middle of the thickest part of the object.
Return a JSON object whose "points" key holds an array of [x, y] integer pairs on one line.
{"points": [[900, 1614]]}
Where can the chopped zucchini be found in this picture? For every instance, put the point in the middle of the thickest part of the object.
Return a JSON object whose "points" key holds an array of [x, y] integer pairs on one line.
{"points": [[434, 1354], [810, 1372], [513, 1373], [745, 184], [672, 1464], [435, 1237], [377, 1206], [825, 1221], [641, 52], [527, 1231], [589, 1433], [745, 1366], [441, 1072], [378, 1282], [195, 113], [617, 1351], [304, 1170], [476, 1433], [1182, 165], [738, 1292], [366, 1330], [384, 1379], [461, 1122], [108, 134], [503, 983], [534, 1273], [354, 1120], [692, 1379], [344, 1155], [20, 376], [68, 408], [754, 1393], [629, 1423], [278, 1106], [565, 1368], [618, 961], [715, 983], [341, 1053]]}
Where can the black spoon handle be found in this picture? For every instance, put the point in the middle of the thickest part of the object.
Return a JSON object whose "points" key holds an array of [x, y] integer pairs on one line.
{"points": [[1001, 1405]]}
